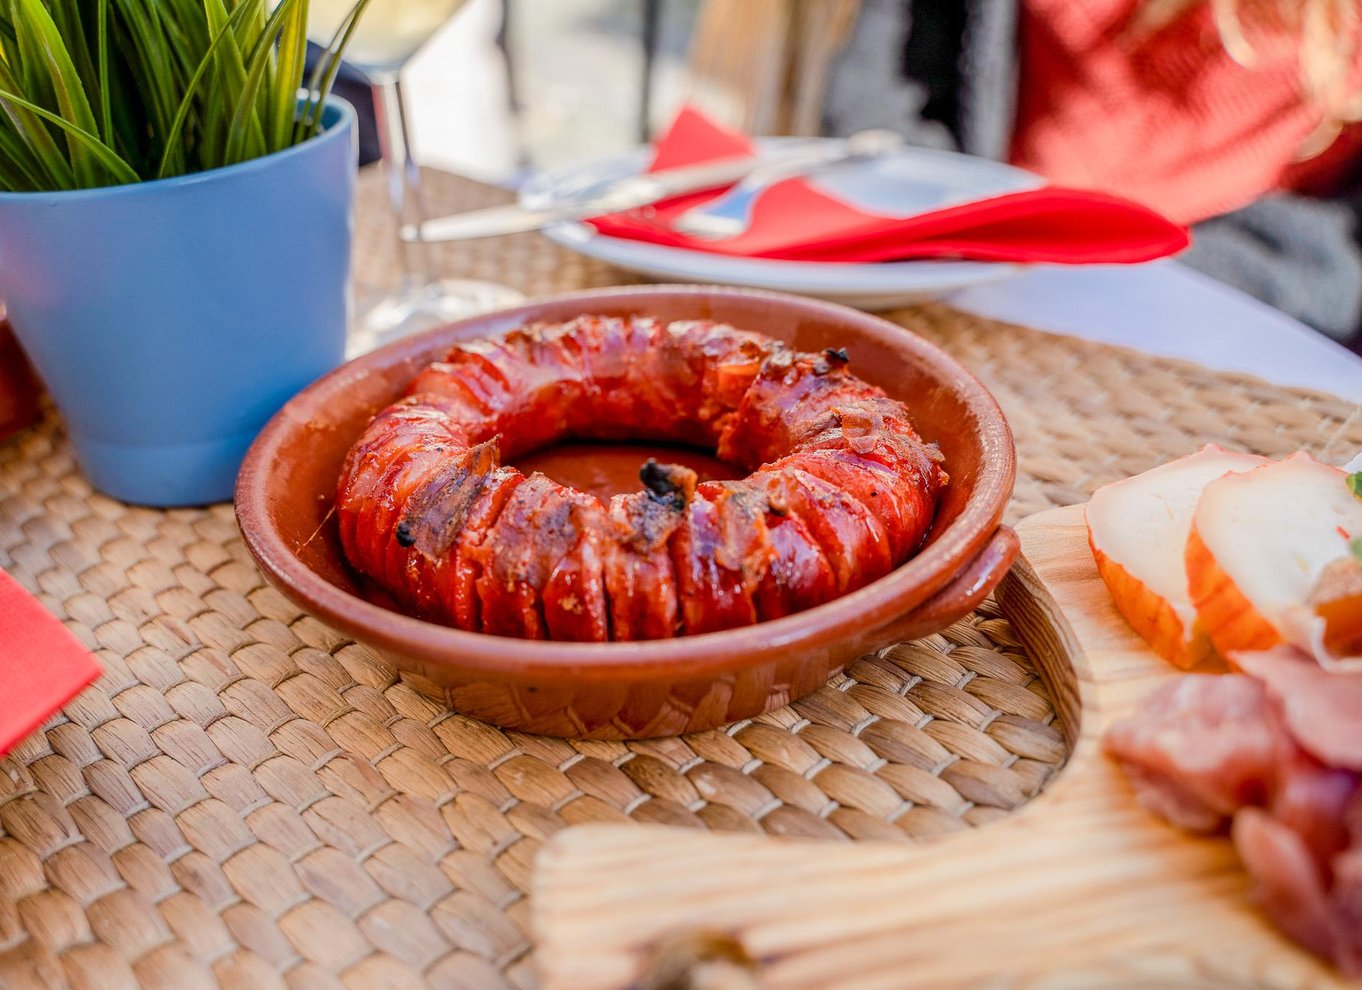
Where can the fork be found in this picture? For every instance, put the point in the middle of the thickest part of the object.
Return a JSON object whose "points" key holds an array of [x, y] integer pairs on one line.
{"points": [[730, 214]]}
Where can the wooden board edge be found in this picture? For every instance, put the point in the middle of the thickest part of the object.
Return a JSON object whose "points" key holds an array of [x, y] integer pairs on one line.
{"points": [[1098, 892]]}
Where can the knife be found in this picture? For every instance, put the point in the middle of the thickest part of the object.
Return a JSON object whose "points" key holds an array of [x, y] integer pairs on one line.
{"points": [[629, 193]]}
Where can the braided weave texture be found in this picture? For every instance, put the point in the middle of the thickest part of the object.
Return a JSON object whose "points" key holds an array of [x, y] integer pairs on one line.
{"points": [[248, 799]]}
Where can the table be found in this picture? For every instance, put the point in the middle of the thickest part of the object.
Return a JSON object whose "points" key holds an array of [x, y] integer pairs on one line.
{"points": [[1169, 309], [249, 799], [1163, 308]]}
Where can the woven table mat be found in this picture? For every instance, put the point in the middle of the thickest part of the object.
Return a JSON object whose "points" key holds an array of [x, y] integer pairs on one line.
{"points": [[249, 799]]}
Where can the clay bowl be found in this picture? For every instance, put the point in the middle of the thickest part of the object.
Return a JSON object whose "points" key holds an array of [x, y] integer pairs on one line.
{"points": [[635, 690]]}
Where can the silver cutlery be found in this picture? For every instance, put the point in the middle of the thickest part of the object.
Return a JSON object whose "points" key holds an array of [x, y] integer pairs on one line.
{"points": [[642, 190], [730, 214]]}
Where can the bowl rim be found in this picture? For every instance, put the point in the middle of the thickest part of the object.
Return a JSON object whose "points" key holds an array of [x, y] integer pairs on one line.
{"points": [[705, 654]]}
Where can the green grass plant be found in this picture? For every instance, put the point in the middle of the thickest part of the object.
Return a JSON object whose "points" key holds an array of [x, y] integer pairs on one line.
{"points": [[108, 92]]}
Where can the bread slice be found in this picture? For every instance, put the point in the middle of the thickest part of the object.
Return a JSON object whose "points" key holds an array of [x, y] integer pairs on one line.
{"points": [[1138, 531], [1259, 548]]}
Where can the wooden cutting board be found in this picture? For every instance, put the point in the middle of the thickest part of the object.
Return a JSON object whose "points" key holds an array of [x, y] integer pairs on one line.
{"points": [[1080, 889]]}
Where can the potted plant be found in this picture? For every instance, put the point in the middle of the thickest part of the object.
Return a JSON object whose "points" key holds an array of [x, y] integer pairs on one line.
{"points": [[174, 226]]}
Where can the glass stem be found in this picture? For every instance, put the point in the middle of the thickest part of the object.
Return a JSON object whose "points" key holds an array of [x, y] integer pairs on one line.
{"points": [[404, 177]]}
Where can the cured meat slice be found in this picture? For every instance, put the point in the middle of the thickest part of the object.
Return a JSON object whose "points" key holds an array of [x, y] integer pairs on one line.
{"points": [[1323, 710], [1288, 882], [1334, 608], [536, 573], [1312, 800], [698, 372], [393, 433], [1346, 900], [1205, 749], [729, 363], [432, 495], [877, 428], [408, 460], [1201, 747], [540, 565], [483, 372], [415, 454], [552, 393], [612, 350]]}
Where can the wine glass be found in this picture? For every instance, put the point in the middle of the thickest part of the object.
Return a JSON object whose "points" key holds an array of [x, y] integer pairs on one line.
{"points": [[384, 38]]}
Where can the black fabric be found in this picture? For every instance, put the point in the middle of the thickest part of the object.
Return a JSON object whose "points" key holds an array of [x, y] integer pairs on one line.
{"points": [[944, 74], [1298, 254], [932, 52], [870, 86], [352, 87], [988, 77]]}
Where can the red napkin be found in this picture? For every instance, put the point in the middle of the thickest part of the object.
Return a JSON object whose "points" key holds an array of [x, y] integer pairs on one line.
{"points": [[42, 665], [794, 221]]}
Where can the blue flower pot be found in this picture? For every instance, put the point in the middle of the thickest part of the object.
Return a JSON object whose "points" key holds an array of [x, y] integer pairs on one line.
{"points": [[171, 319]]}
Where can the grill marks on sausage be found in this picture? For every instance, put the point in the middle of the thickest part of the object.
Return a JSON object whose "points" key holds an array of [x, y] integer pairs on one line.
{"points": [[513, 569], [793, 398], [853, 541], [461, 569], [573, 594], [670, 484], [843, 490], [800, 575], [722, 553], [640, 581], [437, 512]]}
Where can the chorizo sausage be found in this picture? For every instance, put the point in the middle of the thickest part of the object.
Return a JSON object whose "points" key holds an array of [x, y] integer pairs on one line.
{"points": [[841, 490]]}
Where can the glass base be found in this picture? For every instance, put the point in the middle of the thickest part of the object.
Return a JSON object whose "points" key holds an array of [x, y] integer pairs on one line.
{"points": [[424, 307]]}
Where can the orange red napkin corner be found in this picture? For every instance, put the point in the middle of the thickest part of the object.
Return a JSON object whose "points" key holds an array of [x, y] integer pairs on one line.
{"points": [[795, 221], [42, 664]]}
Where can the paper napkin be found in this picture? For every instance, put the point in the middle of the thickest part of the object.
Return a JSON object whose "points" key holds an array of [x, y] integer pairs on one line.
{"points": [[793, 220], [42, 664]]}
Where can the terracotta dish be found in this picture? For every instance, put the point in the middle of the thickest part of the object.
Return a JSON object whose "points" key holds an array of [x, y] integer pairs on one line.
{"points": [[432, 509], [285, 498]]}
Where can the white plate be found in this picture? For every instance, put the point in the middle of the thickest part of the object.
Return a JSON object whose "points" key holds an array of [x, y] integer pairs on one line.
{"points": [[904, 184]]}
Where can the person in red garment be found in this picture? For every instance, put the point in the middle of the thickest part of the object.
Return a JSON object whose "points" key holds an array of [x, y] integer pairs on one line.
{"points": [[1235, 116]]}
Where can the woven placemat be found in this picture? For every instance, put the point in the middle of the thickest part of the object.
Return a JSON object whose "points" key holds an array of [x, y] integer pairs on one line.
{"points": [[249, 799]]}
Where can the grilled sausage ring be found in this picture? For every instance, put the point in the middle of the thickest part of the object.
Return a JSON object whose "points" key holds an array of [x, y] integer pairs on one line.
{"points": [[841, 492]]}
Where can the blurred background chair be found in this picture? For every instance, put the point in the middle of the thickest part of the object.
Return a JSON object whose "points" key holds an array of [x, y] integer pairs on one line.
{"points": [[763, 65], [512, 86]]}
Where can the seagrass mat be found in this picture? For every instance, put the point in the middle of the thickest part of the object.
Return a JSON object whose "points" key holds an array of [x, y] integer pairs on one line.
{"points": [[249, 799]]}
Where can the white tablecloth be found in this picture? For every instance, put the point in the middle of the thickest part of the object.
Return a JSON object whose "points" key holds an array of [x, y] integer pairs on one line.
{"points": [[1167, 308]]}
